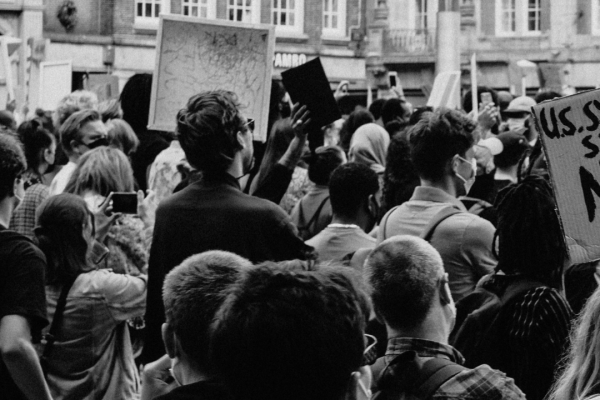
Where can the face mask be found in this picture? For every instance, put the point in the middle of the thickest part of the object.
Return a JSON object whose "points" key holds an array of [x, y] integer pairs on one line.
{"points": [[469, 182], [97, 143], [516, 123]]}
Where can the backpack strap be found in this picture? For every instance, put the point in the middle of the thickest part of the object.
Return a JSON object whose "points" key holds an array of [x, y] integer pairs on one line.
{"points": [[315, 216], [434, 374], [56, 321], [437, 219], [384, 221]]}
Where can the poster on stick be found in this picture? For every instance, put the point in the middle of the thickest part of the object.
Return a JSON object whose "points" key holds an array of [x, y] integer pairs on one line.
{"points": [[445, 91], [195, 55], [570, 131]]}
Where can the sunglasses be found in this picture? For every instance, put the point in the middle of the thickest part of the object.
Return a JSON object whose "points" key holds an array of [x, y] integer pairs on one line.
{"points": [[250, 125]]}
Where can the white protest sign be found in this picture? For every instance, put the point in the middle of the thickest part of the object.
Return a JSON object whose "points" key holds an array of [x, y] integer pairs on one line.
{"points": [[474, 94], [446, 90], [570, 131], [54, 83], [194, 55]]}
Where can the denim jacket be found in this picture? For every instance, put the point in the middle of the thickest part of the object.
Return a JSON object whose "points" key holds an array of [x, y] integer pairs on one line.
{"points": [[92, 357]]}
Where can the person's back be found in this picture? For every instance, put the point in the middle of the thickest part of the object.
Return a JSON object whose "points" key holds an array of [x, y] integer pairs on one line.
{"points": [[410, 294], [532, 331], [88, 353], [213, 213], [352, 190], [441, 146]]}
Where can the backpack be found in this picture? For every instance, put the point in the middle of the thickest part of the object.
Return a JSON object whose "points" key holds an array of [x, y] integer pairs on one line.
{"points": [[305, 231], [408, 375], [427, 233], [478, 332]]}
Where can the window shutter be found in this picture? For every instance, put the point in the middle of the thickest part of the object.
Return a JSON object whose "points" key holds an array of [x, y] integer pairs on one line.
{"points": [[488, 17], [222, 9], [584, 17]]}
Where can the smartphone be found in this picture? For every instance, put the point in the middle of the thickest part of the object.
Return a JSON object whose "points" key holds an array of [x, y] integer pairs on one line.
{"points": [[393, 78], [486, 98], [125, 203]]}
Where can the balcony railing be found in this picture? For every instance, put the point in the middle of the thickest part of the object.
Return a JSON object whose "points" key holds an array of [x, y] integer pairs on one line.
{"points": [[408, 41]]}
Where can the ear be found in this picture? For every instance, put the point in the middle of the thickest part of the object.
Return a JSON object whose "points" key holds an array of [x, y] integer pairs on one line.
{"points": [[444, 289], [169, 339], [47, 155], [240, 139], [73, 145], [15, 188]]}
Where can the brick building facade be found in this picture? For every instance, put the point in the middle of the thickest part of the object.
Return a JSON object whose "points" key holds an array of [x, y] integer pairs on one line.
{"points": [[127, 28]]}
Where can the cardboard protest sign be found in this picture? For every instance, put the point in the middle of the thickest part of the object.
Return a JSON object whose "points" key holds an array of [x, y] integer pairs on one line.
{"points": [[195, 55], [105, 86], [446, 90], [569, 128]]}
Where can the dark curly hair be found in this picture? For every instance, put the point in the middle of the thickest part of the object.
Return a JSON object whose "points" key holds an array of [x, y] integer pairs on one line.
{"points": [[354, 121], [207, 130], [436, 138], [529, 232], [400, 177], [12, 164]]}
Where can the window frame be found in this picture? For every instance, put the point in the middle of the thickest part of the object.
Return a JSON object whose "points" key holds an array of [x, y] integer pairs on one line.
{"points": [[149, 23], [254, 10], [595, 18], [340, 31], [211, 8], [421, 19], [521, 19], [290, 30]]}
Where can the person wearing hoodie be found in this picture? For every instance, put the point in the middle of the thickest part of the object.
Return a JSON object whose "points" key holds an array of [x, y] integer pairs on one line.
{"points": [[22, 294]]}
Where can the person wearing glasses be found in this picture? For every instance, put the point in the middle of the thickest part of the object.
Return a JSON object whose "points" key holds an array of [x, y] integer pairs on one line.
{"points": [[87, 351], [441, 149], [80, 133], [214, 213], [411, 296]]}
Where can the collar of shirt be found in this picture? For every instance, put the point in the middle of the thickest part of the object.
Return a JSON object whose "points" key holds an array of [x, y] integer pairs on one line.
{"points": [[503, 176], [216, 178], [423, 348], [428, 193]]}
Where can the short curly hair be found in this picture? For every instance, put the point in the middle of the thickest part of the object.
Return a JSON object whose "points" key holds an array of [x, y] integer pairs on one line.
{"points": [[207, 130], [438, 137], [12, 164]]}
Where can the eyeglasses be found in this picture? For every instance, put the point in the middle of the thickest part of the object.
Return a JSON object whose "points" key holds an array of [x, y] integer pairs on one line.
{"points": [[250, 125]]}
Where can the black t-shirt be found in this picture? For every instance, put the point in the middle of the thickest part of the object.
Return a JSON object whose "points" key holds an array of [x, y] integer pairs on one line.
{"points": [[22, 292], [151, 144], [207, 390]]}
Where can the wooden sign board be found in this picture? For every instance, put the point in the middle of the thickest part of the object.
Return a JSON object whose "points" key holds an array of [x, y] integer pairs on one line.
{"points": [[570, 131], [446, 90], [56, 79], [195, 55]]}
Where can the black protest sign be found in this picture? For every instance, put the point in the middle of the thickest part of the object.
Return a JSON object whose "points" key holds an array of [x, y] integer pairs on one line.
{"points": [[569, 128], [308, 85]]}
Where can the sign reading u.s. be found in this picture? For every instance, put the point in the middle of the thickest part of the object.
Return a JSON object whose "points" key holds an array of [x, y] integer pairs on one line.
{"points": [[570, 131]]}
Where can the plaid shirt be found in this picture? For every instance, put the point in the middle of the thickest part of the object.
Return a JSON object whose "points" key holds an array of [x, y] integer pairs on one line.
{"points": [[478, 383], [23, 219]]}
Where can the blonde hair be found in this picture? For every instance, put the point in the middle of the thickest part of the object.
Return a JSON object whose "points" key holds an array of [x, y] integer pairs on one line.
{"points": [[122, 136], [73, 102], [102, 170], [580, 376]]}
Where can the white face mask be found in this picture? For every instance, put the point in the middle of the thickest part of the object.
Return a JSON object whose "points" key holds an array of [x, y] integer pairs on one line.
{"points": [[468, 182], [516, 123]]}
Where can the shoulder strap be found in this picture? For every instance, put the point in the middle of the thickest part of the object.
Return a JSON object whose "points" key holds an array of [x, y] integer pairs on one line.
{"points": [[384, 221], [443, 214], [434, 374], [58, 316], [315, 215]]}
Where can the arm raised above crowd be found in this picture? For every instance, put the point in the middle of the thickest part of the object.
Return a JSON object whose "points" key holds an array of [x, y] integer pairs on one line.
{"points": [[125, 295], [20, 357]]}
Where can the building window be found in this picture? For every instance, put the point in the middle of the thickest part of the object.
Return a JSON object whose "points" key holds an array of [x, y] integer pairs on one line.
{"points": [[147, 13], [199, 8], [334, 18], [421, 15], [518, 17], [288, 15], [534, 13], [595, 17], [243, 11]]}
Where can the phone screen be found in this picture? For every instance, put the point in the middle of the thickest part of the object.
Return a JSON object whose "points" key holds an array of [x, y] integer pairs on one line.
{"points": [[124, 203], [486, 98], [393, 82]]}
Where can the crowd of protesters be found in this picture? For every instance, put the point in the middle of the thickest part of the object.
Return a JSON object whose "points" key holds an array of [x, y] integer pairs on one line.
{"points": [[412, 254]]}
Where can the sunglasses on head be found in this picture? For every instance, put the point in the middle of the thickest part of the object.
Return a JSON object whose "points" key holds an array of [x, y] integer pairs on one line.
{"points": [[250, 125]]}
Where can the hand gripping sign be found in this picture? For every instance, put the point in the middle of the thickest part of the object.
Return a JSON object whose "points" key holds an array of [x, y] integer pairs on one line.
{"points": [[569, 128]]}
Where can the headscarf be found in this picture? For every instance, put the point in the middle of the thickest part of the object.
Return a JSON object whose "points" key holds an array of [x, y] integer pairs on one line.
{"points": [[369, 146]]}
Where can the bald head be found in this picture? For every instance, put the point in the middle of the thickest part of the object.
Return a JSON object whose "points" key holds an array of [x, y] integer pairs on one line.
{"points": [[403, 273]]}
